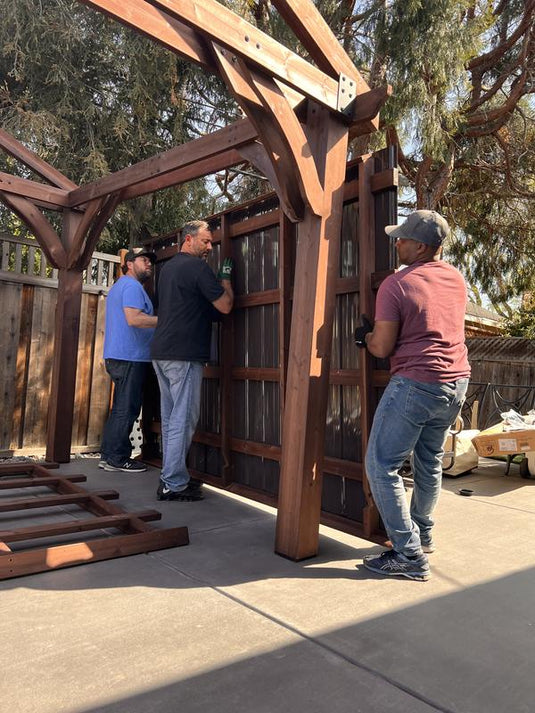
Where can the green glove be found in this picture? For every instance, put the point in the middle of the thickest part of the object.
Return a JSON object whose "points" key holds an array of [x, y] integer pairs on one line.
{"points": [[225, 271]]}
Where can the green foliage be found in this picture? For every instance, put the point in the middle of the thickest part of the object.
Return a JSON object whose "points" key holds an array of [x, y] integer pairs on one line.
{"points": [[91, 96], [522, 324]]}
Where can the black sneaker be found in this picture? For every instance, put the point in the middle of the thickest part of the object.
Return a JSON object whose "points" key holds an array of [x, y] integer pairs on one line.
{"points": [[189, 493], [129, 466], [394, 564]]}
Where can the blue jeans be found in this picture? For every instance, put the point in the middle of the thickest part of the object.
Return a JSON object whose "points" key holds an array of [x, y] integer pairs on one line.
{"points": [[412, 417], [128, 378], [180, 402]]}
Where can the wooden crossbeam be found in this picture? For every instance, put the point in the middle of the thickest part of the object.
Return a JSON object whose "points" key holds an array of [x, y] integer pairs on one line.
{"points": [[35, 482], [45, 501], [135, 535], [48, 195], [230, 137], [65, 528]]}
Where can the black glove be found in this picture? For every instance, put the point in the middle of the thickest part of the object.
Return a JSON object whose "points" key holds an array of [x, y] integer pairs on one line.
{"points": [[361, 332], [225, 271]]}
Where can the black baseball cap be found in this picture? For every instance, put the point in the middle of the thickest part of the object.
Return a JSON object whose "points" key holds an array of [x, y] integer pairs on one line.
{"points": [[139, 252]]}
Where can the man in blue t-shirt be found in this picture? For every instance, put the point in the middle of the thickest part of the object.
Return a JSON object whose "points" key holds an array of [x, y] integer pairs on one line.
{"points": [[190, 298], [130, 324]]}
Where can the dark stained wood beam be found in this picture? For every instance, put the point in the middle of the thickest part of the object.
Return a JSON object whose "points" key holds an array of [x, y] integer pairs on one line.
{"points": [[61, 404], [46, 195], [214, 21], [309, 26], [365, 111], [203, 167], [159, 26], [366, 232], [290, 130], [209, 146], [106, 210], [13, 147], [314, 298]]}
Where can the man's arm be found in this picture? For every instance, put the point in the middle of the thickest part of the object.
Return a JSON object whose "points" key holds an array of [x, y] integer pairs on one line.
{"points": [[382, 340], [224, 303], [138, 318]]}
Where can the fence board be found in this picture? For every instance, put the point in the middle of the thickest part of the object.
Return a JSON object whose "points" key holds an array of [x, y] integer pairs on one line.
{"points": [[10, 296], [28, 296], [100, 381], [39, 367]]}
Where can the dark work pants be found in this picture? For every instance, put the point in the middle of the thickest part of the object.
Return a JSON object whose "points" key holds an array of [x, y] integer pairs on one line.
{"points": [[128, 378]]}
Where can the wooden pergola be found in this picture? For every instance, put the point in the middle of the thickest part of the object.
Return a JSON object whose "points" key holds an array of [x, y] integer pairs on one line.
{"points": [[300, 117]]}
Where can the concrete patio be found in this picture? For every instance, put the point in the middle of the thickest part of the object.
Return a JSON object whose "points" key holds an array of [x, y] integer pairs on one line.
{"points": [[226, 625]]}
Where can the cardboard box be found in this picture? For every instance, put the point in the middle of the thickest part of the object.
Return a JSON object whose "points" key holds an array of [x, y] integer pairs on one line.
{"points": [[497, 442]]}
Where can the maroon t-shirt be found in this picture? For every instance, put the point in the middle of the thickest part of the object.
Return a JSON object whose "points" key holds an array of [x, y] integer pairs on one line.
{"points": [[428, 299]]}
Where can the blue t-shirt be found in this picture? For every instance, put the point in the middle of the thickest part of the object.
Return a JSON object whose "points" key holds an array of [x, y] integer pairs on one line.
{"points": [[121, 341]]}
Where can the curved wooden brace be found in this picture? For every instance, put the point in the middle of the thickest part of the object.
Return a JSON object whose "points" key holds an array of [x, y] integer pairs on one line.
{"points": [[46, 236], [257, 155], [83, 225], [106, 211], [285, 149], [283, 169], [291, 130]]}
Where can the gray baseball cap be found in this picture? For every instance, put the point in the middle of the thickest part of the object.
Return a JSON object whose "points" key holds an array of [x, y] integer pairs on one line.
{"points": [[425, 226]]}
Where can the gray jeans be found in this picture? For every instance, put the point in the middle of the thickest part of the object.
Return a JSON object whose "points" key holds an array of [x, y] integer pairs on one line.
{"points": [[180, 398]]}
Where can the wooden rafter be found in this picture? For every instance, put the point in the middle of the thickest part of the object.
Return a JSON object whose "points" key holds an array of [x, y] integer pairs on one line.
{"points": [[318, 39], [190, 172], [13, 147], [216, 22]]}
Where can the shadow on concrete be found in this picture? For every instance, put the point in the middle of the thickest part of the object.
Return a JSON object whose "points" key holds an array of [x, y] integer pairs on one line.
{"points": [[467, 652]]}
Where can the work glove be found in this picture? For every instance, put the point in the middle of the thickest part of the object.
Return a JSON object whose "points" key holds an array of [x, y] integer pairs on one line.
{"points": [[361, 332], [225, 271]]}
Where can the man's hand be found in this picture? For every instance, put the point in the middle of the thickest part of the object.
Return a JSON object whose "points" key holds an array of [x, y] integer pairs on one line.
{"points": [[361, 332], [225, 271]]}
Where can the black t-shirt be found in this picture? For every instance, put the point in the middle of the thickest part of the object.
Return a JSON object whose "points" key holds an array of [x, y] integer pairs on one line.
{"points": [[186, 289]]}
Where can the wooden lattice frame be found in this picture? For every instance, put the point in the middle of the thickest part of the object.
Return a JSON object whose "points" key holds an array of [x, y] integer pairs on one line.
{"points": [[136, 536]]}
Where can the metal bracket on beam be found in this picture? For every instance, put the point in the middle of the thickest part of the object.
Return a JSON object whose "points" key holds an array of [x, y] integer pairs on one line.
{"points": [[347, 92]]}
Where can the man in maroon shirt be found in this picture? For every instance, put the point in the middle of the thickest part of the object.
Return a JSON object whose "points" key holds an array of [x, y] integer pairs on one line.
{"points": [[419, 324]]}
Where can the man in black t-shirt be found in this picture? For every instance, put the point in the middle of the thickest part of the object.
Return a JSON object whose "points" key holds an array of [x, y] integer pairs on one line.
{"points": [[190, 299]]}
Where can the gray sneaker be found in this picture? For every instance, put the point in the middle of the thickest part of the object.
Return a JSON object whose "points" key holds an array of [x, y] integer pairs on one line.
{"points": [[102, 464], [129, 466], [428, 546], [394, 564]]}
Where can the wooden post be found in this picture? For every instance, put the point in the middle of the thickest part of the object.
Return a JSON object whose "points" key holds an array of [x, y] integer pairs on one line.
{"points": [[310, 347], [61, 404], [225, 364], [366, 235]]}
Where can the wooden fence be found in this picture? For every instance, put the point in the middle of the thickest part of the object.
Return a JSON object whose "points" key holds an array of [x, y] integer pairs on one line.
{"points": [[28, 287]]}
